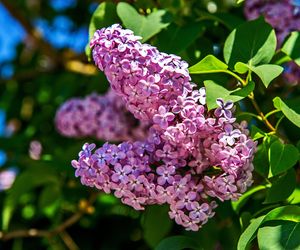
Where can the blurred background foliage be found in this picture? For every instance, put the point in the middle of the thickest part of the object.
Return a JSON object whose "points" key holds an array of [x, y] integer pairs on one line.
{"points": [[42, 64]]}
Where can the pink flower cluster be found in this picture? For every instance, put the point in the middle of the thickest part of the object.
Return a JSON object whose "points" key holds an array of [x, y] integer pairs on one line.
{"points": [[103, 117], [284, 16], [191, 156]]}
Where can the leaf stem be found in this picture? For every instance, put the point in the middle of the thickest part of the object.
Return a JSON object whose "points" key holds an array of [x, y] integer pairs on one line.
{"points": [[250, 114], [278, 122], [30, 233], [272, 112], [222, 71], [260, 113]]}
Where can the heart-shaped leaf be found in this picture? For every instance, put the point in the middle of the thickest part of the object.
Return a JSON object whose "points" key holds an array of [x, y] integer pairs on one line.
{"points": [[104, 15], [287, 111], [282, 187], [253, 41], [175, 38], [285, 213], [291, 47], [282, 157], [267, 72], [207, 65], [280, 235], [144, 26], [215, 91]]}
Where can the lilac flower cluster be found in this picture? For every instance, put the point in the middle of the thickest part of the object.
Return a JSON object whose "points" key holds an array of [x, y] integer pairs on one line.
{"points": [[191, 156], [284, 16], [103, 117]]}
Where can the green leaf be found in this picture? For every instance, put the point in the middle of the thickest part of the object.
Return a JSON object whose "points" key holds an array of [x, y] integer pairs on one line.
{"points": [[152, 233], [295, 196], [105, 15], [279, 236], [229, 20], [207, 65], [175, 39], [287, 111], [239, 1], [215, 91], [290, 213], [178, 243], [267, 72], [281, 188], [253, 41], [49, 195], [291, 46], [241, 68], [282, 157], [249, 234], [237, 205], [256, 133], [144, 26], [26, 181], [261, 162], [287, 213]]}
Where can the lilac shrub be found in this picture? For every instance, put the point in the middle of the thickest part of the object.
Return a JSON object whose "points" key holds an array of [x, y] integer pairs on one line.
{"points": [[191, 158], [284, 17], [103, 117]]}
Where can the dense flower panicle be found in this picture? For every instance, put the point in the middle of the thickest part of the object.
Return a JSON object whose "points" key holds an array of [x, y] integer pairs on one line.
{"points": [[191, 156], [143, 76], [103, 117], [284, 16]]}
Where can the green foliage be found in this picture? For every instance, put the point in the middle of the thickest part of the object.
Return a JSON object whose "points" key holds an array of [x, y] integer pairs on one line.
{"points": [[276, 193], [285, 213], [282, 157], [177, 38], [233, 58], [291, 47], [279, 236], [153, 216], [237, 205], [178, 243], [144, 26], [291, 114], [208, 64], [105, 15], [252, 43], [215, 91]]}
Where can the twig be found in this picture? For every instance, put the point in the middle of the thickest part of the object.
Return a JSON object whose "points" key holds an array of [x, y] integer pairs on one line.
{"points": [[25, 233], [260, 113], [69, 242]]}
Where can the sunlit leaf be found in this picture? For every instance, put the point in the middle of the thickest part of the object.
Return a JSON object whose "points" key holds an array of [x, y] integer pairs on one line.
{"points": [[287, 111], [215, 91], [282, 157], [144, 26], [253, 41], [208, 64], [291, 46]]}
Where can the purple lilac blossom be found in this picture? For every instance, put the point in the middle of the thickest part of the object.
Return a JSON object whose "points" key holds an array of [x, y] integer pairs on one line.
{"points": [[103, 117], [191, 157], [284, 17]]}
